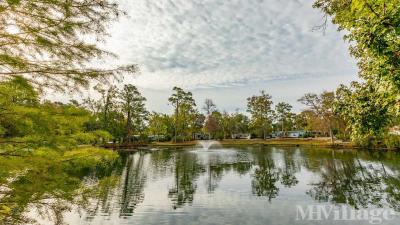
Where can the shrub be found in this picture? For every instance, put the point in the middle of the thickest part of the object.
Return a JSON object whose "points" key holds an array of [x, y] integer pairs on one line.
{"points": [[392, 141], [84, 138], [179, 138]]}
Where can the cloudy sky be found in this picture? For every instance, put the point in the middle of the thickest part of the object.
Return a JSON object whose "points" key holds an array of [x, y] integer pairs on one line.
{"points": [[228, 50]]}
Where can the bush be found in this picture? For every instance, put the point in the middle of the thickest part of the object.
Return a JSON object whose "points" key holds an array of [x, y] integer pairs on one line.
{"points": [[392, 141], [102, 136], [219, 136], [343, 136], [84, 138], [97, 136], [179, 138], [367, 141]]}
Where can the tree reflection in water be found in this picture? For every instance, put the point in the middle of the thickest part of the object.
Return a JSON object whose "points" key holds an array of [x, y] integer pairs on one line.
{"points": [[187, 170], [266, 175], [358, 179], [344, 178], [51, 186], [134, 179]]}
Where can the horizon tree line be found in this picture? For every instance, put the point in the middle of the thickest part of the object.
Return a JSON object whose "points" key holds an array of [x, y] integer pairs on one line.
{"points": [[123, 114]]}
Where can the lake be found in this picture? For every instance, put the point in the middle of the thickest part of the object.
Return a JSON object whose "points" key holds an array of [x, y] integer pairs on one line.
{"points": [[231, 185]]}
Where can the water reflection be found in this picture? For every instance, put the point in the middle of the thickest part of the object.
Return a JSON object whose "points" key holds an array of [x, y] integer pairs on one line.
{"points": [[350, 180], [184, 185], [186, 172]]}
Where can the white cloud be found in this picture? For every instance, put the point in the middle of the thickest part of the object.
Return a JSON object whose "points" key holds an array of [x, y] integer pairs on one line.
{"points": [[228, 50], [224, 43]]}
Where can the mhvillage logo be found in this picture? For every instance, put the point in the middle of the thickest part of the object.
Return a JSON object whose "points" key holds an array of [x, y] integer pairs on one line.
{"points": [[343, 213]]}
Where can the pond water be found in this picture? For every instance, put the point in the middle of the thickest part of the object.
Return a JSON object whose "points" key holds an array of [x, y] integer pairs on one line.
{"points": [[235, 185]]}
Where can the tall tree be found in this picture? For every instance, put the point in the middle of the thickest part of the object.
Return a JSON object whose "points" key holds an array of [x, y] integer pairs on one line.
{"points": [[108, 102], [322, 106], [283, 114], [183, 104], [372, 29], [261, 113], [364, 110], [134, 109], [211, 125], [46, 42]]}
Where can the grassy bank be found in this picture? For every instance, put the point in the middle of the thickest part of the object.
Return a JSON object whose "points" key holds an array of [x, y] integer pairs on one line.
{"points": [[318, 142]]}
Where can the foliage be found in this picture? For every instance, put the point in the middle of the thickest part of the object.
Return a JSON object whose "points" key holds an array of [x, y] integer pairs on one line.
{"points": [[261, 112], [392, 141], [364, 110], [134, 110], [160, 124], [46, 42], [184, 112], [372, 29], [27, 122], [283, 115], [321, 108], [214, 125], [121, 112]]}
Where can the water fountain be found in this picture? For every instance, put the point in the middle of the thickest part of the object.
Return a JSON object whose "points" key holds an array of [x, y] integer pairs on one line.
{"points": [[206, 145]]}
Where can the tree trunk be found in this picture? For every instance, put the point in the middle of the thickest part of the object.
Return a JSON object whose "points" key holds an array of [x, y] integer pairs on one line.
{"points": [[176, 120], [331, 135], [128, 126]]}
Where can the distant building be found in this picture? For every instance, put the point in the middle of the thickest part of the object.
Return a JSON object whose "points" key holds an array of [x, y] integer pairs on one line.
{"points": [[200, 136], [277, 134], [156, 137], [241, 136], [296, 134]]}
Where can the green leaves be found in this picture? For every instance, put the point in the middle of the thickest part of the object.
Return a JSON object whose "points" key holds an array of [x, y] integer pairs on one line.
{"points": [[366, 111], [13, 2], [134, 109], [260, 108], [372, 28], [45, 42], [184, 112]]}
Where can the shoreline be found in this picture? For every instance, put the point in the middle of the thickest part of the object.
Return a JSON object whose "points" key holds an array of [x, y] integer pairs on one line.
{"points": [[310, 142], [284, 142]]}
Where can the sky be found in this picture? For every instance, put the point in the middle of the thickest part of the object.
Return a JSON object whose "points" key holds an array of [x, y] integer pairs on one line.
{"points": [[228, 50]]}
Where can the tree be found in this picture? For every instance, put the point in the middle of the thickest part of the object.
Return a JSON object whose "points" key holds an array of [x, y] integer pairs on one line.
{"points": [[46, 41], [106, 111], [209, 106], [159, 124], [183, 104], [27, 123], [214, 125], [211, 125], [367, 116], [372, 30], [134, 109], [108, 102], [197, 122], [241, 123], [322, 106], [261, 113], [283, 114]]}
